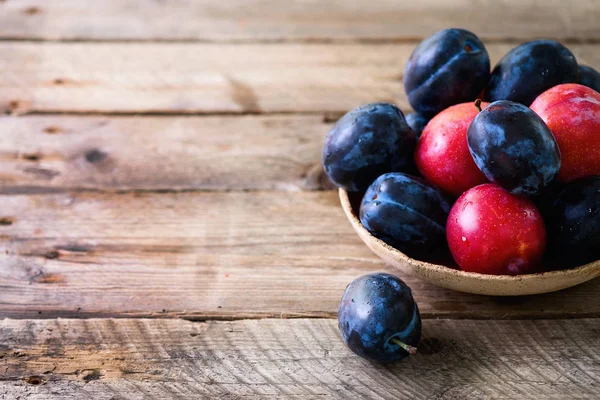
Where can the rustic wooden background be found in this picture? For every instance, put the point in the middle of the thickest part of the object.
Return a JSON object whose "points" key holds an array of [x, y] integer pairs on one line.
{"points": [[165, 227]]}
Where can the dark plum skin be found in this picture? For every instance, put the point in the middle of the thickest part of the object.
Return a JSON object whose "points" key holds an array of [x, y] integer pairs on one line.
{"points": [[377, 310], [450, 67], [417, 122], [574, 222], [545, 200], [407, 213], [366, 142], [514, 148], [530, 69], [588, 76]]}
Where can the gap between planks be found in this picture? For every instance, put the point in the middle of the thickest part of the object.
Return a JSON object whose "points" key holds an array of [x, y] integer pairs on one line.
{"points": [[216, 316]]}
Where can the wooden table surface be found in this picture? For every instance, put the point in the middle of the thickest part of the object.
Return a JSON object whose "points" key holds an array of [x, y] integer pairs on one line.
{"points": [[166, 230]]}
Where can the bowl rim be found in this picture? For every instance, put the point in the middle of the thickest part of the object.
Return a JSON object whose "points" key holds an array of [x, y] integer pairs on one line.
{"points": [[442, 269]]}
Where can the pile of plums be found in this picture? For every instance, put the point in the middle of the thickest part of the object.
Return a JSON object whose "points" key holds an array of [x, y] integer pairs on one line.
{"points": [[500, 170]]}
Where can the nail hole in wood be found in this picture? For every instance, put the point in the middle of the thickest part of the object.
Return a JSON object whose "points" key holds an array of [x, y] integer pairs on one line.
{"points": [[36, 380], [31, 157], [74, 248], [92, 376], [95, 156], [52, 254], [51, 130], [6, 221], [32, 10]]}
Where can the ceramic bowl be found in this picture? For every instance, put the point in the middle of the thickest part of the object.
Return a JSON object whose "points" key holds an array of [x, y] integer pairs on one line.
{"points": [[471, 282]]}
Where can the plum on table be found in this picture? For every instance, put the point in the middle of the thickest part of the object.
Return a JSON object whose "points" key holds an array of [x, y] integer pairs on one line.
{"points": [[379, 319], [368, 141]]}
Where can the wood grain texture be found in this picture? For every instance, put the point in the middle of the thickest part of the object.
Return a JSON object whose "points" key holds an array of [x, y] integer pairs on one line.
{"points": [[157, 359], [208, 78], [150, 153], [210, 255], [252, 20]]}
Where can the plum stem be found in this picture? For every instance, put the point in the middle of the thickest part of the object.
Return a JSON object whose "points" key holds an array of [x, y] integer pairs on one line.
{"points": [[410, 349], [478, 104]]}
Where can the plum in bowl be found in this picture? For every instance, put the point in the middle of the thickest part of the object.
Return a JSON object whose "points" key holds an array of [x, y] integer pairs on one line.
{"points": [[445, 273]]}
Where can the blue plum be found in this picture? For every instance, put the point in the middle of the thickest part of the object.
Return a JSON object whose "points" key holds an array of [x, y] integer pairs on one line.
{"points": [[545, 200], [574, 223], [379, 319], [450, 67], [589, 77], [530, 69], [417, 122], [366, 142], [514, 148], [407, 213]]}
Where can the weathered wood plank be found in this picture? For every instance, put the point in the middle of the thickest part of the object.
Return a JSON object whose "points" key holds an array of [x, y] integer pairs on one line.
{"points": [[221, 152], [210, 255], [244, 20], [130, 359], [205, 78]]}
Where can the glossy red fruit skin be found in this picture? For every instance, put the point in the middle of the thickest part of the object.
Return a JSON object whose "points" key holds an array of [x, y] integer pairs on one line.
{"points": [[572, 112], [442, 154], [492, 231]]}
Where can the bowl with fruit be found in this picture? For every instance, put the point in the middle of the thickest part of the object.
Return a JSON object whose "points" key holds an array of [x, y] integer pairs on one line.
{"points": [[492, 185]]}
